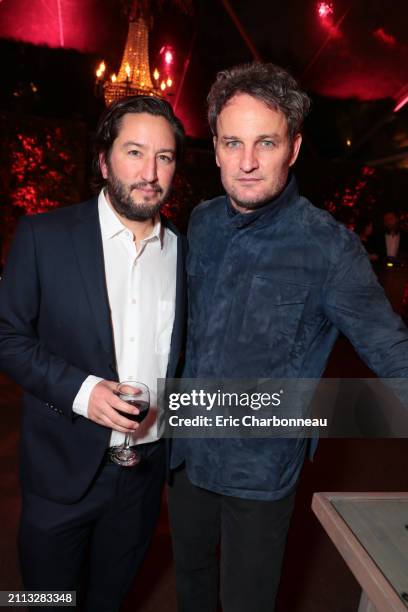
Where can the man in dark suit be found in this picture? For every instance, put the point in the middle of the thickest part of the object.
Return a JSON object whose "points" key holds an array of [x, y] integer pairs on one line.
{"points": [[392, 241], [93, 294]]}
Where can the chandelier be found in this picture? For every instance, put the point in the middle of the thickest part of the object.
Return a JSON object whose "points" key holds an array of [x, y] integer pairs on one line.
{"points": [[134, 76]]}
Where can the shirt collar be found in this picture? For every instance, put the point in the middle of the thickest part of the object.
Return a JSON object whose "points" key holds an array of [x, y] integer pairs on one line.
{"points": [[158, 231], [111, 225], [269, 210]]}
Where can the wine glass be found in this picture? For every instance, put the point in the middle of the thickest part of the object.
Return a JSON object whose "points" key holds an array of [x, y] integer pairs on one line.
{"points": [[135, 394]]}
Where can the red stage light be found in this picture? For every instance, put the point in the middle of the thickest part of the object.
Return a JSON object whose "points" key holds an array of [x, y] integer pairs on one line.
{"points": [[401, 103], [168, 54], [382, 35], [324, 9], [57, 24]]}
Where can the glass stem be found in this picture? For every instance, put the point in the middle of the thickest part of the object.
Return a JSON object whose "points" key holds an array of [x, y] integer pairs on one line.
{"points": [[126, 444]]}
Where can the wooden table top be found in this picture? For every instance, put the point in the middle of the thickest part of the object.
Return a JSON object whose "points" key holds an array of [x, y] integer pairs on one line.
{"points": [[370, 530]]}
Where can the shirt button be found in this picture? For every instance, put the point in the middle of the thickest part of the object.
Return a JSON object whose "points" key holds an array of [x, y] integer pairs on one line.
{"points": [[132, 339], [133, 301]]}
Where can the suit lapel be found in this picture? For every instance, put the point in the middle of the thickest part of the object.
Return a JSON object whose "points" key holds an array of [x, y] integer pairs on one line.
{"points": [[180, 315], [87, 240]]}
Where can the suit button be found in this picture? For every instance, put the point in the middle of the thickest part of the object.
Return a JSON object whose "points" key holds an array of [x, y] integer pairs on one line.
{"points": [[112, 368]]}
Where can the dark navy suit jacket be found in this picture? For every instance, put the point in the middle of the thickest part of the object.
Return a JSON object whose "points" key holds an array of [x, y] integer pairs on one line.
{"points": [[55, 330], [379, 244]]}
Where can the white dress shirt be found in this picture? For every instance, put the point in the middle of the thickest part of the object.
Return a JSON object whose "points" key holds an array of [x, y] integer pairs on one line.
{"points": [[141, 289]]}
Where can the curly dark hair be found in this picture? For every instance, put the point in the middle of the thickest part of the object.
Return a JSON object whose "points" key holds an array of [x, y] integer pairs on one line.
{"points": [[111, 120], [269, 83]]}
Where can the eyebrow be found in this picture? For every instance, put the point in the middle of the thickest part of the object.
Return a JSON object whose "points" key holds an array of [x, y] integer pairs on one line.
{"points": [[132, 143], [260, 137]]}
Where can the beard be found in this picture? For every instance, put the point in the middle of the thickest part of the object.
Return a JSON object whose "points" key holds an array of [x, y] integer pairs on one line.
{"points": [[257, 201], [249, 204], [120, 196]]}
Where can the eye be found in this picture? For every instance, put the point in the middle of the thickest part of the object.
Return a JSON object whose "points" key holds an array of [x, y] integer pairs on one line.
{"points": [[167, 159], [134, 153], [267, 144], [232, 144]]}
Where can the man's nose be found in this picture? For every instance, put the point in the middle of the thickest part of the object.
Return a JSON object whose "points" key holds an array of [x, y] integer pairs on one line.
{"points": [[149, 170], [249, 160]]}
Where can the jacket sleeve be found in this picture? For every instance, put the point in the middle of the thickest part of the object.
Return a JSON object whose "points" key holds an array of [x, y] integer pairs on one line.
{"points": [[356, 304], [23, 356]]}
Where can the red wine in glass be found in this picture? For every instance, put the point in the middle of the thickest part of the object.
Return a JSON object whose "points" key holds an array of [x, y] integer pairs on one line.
{"points": [[142, 406], [135, 394]]}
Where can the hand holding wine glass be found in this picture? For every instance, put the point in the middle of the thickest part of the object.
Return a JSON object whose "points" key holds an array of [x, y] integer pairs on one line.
{"points": [[107, 409], [137, 395]]}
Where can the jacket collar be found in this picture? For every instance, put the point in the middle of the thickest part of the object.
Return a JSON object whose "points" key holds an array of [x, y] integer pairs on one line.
{"points": [[87, 239]]}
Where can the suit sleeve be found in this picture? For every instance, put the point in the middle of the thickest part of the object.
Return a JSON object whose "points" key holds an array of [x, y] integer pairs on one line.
{"points": [[22, 354], [356, 304]]}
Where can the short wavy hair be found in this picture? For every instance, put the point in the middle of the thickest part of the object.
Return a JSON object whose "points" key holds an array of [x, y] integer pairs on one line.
{"points": [[267, 82], [111, 120]]}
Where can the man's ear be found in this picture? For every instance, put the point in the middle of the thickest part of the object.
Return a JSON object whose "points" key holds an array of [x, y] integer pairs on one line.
{"points": [[103, 166], [215, 150], [297, 141]]}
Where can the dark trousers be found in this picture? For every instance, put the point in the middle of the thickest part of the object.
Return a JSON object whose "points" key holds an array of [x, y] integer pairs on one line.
{"points": [[108, 531], [252, 536]]}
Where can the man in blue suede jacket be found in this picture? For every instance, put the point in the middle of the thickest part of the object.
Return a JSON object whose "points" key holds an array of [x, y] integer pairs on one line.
{"points": [[272, 281]]}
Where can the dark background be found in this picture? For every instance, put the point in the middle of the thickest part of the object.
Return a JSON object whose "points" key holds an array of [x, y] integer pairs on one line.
{"points": [[353, 63]]}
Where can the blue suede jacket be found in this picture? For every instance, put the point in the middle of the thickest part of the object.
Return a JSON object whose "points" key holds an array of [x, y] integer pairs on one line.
{"points": [[268, 292]]}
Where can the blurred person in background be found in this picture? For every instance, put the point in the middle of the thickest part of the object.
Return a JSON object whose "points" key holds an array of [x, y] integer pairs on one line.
{"points": [[364, 229], [391, 241]]}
